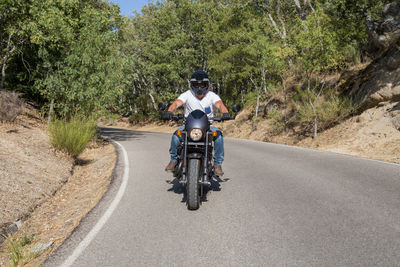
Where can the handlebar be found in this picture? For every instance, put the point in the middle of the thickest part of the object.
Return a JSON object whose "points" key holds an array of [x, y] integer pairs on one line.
{"points": [[178, 117], [219, 118]]}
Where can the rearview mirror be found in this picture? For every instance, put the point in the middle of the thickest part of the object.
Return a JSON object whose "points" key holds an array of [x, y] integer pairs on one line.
{"points": [[236, 108], [161, 106]]}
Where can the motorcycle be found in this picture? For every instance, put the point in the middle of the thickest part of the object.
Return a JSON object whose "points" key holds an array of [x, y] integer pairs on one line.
{"points": [[194, 168]]}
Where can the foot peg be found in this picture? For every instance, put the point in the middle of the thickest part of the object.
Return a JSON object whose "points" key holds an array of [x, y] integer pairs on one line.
{"points": [[206, 183]]}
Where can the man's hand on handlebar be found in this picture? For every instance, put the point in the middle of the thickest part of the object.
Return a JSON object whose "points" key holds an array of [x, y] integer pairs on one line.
{"points": [[170, 116], [226, 116]]}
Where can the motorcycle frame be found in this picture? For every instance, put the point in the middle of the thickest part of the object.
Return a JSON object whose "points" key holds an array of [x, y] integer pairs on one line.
{"points": [[207, 146]]}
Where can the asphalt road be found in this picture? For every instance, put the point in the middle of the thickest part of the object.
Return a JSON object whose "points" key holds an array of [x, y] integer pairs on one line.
{"points": [[277, 206]]}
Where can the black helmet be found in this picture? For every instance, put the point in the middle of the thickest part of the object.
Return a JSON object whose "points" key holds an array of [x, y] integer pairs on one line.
{"points": [[199, 82]]}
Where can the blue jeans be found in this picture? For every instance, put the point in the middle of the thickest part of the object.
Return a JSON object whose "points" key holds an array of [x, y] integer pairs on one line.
{"points": [[218, 146]]}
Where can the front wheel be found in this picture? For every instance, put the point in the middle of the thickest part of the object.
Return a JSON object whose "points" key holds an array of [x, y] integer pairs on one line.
{"points": [[192, 186]]}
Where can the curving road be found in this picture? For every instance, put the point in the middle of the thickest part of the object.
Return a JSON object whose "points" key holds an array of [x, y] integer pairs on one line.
{"points": [[277, 206]]}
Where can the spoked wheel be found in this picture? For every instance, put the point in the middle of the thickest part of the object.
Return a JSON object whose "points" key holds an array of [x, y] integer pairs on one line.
{"points": [[192, 186]]}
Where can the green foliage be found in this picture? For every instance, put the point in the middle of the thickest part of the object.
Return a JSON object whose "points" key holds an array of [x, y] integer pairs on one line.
{"points": [[87, 59], [68, 53], [85, 79], [328, 109], [72, 136], [349, 18], [276, 121], [250, 99], [317, 44], [16, 249]]}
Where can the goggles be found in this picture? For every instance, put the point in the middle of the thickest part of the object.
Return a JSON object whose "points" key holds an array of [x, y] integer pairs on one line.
{"points": [[199, 84]]}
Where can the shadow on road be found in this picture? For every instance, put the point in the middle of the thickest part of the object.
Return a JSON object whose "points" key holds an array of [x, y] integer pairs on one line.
{"points": [[177, 188], [120, 134]]}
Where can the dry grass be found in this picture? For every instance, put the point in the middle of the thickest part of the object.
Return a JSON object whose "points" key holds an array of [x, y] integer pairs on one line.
{"points": [[11, 105], [37, 186], [72, 136]]}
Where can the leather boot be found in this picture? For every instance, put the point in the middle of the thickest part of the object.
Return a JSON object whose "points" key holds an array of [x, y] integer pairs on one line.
{"points": [[171, 166], [218, 170]]}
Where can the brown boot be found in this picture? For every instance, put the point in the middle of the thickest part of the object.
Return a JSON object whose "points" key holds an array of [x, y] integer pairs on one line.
{"points": [[171, 166], [218, 170]]}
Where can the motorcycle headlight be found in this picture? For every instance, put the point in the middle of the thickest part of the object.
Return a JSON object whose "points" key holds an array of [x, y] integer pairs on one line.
{"points": [[196, 134]]}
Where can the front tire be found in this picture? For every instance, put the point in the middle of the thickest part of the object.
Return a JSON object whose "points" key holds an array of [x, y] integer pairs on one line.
{"points": [[192, 186]]}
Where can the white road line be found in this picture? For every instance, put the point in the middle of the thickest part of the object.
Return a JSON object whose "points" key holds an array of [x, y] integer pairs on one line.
{"points": [[92, 234]]}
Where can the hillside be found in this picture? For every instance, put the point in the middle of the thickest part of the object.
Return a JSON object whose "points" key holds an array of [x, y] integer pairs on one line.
{"points": [[43, 194], [308, 74]]}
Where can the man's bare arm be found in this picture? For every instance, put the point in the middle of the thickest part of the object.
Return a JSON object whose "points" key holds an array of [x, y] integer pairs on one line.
{"points": [[177, 103], [220, 105]]}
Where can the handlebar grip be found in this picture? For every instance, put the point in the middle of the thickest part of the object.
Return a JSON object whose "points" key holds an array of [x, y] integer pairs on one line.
{"points": [[219, 118]]}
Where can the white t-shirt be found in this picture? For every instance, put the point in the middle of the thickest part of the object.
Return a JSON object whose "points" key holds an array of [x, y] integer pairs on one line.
{"points": [[191, 102]]}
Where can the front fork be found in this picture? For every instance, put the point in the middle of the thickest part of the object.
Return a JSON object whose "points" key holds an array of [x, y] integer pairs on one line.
{"points": [[203, 179]]}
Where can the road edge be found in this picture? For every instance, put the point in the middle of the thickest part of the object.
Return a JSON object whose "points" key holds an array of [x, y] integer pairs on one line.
{"points": [[69, 251]]}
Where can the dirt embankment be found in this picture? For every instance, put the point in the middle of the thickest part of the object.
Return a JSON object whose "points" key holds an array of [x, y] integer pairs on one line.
{"points": [[43, 194]]}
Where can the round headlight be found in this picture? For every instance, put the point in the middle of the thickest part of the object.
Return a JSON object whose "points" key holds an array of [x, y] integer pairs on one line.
{"points": [[196, 134]]}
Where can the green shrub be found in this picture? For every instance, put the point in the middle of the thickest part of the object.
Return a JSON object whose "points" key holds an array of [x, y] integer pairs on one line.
{"points": [[250, 99], [72, 136], [328, 109], [275, 120], [333, 110]]}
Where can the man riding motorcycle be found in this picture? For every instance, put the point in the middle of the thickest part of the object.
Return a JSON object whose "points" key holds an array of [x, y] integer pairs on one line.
{"points": [[198, 97]]}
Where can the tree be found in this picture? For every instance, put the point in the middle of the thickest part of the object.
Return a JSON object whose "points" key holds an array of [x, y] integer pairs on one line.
{"points": [[319, 51], [77, 51], [12, 36]]}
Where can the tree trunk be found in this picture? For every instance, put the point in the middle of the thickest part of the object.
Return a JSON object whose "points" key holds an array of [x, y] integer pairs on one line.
{"points": [[278, 13], [51, 110], [203, 59], [264, 80], [152, 97], [309, 4], [5, 58], [134, 98], [312, 104], [284, 103], [258, 95], [315, 127], [258, 101], [299, 9], [153, 102], [274, 24]]}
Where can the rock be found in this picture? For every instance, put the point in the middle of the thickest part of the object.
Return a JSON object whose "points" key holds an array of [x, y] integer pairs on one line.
{"points": [[18, 223], [396, 122], [386, 32], [2, 234], [393, 61], [380, 81], [383, 85], [41, 247], [9, 230], [274, 104]]}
